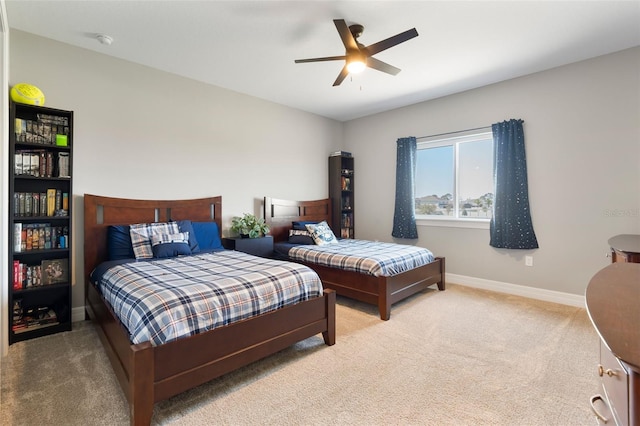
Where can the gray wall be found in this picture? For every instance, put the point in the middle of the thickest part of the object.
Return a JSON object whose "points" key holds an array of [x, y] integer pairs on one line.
{"points": [[582, 135], [142, 133]]}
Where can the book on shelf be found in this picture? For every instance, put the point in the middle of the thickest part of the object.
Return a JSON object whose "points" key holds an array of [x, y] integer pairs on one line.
{"points": [[35, 164], [26, 163], [31, 276], [51, 202], [39, 236], [33, 319], [17, 310], [18, 164], [63, 164], [58, 200], [47, 238], [27, 276], [49, 164], [43, 204], [43, 163], [55, 271], [28, 204], [17, 275], [29, 239], [35, 204], [21, 201], [346, 184], [23, 238], [20, 129], [17, 237], [340, 154], [44, 130]]}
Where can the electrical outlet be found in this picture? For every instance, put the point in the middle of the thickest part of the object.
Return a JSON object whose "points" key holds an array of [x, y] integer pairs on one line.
{"points": [[528, 260]]}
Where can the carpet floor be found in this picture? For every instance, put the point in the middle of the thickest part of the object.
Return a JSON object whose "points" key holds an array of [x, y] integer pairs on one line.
{"points": [[459, 357]]}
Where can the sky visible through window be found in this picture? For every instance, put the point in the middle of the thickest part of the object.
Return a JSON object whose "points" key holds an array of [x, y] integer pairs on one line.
{"points": [[435, 171]]}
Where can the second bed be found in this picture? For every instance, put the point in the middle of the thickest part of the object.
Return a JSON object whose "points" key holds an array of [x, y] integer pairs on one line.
{"points": [[376, 273]]}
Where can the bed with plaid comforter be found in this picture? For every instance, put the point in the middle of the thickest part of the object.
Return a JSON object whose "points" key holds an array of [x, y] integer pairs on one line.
{"points": [[162, 300], [362, 256]]}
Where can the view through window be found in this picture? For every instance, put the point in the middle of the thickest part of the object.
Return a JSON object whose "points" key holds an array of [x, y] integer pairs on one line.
{"points": [[454, 177]]}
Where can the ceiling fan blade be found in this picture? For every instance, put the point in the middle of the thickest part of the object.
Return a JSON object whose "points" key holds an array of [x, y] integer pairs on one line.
{"points": [[382, 66], [343, 74], [328, 58], [390, 42], [345, 34]]}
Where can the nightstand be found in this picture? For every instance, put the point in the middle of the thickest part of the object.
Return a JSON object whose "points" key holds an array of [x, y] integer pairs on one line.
{"points": [[262, 246]]}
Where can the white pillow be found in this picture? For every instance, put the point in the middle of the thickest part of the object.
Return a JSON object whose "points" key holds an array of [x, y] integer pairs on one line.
{"points": [[322, 233]]}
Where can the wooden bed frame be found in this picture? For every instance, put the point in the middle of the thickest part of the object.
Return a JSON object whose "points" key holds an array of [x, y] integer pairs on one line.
{"points": [[149, 374], [380, 291]]}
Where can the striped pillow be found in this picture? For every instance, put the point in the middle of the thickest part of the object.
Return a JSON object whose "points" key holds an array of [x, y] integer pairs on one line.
{"points": [[141, 234]]}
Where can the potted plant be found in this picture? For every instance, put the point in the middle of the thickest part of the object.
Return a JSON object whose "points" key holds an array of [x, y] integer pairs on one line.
{"points": [[249, 226]]}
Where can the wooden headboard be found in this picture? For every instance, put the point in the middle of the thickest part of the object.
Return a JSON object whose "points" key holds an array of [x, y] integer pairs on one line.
{"points": [[100, 212], [279, 214]]}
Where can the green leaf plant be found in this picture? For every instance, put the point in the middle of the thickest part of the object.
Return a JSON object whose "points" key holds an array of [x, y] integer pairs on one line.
{"points": [[249, 225]]}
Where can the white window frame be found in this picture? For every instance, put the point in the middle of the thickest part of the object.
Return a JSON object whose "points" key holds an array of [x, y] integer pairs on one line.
{"points": [[455, 141]]}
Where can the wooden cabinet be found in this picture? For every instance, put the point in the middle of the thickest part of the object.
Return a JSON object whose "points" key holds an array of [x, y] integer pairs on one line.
{"points": [[262, 246], [341, 192], [625, 248], [40, 212], [612, 300]]}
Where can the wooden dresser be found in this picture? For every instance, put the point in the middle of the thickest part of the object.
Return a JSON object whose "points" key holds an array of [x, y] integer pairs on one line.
{"points": [[625, 248], [613, 304]]}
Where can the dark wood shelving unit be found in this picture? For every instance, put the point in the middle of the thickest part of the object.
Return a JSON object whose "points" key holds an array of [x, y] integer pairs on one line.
{"points": [[39, 301], [342, 194]]}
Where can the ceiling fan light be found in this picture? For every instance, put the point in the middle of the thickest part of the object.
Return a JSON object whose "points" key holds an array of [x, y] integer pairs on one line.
{"points": [[356, 66]]}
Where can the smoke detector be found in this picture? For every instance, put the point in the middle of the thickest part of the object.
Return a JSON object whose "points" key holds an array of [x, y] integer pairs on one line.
{"points": [[104, 39]]}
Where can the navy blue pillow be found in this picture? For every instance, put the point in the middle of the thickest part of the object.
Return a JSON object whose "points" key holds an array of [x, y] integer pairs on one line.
{"points": [[301, 239], [186, 226], [119, 242], [300, 225], [207, 235], [170, 249]]}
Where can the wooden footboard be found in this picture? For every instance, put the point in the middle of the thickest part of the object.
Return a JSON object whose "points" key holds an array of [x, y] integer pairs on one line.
{"points": [[382, 291], [148, 374]]}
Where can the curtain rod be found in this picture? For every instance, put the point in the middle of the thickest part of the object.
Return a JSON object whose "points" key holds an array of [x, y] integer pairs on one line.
{"points": [[451, 133]]}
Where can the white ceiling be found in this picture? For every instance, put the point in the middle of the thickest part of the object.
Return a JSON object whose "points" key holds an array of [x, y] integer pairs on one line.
{"points": [[250, 46]]}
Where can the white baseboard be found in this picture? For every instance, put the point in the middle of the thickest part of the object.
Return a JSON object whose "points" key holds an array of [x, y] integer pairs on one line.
{"points": [[77, 314], [518, 290]]}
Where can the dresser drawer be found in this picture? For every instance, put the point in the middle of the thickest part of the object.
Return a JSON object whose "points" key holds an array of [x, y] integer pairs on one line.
{"points": [[615, 382], [620, 256]]}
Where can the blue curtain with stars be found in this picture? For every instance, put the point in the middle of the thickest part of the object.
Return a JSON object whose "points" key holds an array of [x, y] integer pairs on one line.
{"points": [[404, 216], [511, 225]]}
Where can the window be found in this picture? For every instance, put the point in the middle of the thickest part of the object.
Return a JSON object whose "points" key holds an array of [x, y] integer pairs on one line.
{"points": [[454, 177]]}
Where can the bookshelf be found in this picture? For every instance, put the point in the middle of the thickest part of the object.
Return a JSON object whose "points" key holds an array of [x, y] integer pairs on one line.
{"points": [[341, 192], [40, 212]]}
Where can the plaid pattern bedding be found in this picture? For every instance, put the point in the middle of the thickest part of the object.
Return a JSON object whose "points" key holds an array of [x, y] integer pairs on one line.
{"points": [[165, 299], [367, 257]]}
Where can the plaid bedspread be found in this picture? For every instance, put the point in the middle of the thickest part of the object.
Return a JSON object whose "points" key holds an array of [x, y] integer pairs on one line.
{"points": [[165, 299], [367, 257]]}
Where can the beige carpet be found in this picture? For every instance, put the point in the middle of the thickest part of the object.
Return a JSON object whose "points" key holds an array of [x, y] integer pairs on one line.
{"points": [[459, 357]]}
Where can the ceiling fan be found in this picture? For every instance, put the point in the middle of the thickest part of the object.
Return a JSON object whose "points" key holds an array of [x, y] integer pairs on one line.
{"points": [[358, 56]]}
